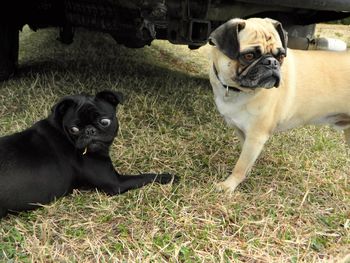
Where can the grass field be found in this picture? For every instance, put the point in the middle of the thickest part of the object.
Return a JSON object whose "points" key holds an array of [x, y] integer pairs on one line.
{"points": [[294, 207]]}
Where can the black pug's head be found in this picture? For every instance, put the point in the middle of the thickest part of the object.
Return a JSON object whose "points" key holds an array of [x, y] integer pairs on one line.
{"points": [[89, 122]]}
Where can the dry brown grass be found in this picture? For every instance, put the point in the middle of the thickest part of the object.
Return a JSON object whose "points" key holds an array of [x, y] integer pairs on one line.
{"points": [[334, 31], [294, 207]]}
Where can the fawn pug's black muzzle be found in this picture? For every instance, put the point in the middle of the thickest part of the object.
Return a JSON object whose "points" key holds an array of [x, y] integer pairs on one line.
{"points": [[262, 73]]}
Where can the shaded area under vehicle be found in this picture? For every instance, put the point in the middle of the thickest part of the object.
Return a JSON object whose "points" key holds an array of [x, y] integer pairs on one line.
{"points": [[136, 23]]}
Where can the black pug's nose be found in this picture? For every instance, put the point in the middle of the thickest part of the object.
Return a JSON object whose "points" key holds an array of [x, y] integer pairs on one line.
{"points": [[90, 131]]}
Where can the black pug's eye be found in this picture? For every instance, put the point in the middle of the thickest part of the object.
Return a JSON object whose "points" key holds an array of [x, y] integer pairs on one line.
{"points": [[105, 122], [74, 130]]}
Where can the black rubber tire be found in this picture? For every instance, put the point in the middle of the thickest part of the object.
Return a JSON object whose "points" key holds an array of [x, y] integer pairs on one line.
{"points": [[299, 36], [307, 31], [9, 44]]}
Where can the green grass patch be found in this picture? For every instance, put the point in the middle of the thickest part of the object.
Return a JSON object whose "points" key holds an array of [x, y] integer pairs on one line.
{"points": [[294, 207]]}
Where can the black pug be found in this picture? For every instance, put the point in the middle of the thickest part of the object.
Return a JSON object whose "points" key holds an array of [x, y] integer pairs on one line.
{"points": [[67, 150]]}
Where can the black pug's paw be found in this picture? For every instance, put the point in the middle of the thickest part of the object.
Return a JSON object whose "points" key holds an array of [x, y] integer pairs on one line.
{"points": [[166, 178]]}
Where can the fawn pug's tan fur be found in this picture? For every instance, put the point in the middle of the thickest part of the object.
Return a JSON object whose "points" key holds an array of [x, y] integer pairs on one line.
{"points": [[291, 88]]}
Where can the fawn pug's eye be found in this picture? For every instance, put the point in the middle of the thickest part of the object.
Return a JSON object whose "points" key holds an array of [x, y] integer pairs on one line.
{"points": [[105, 122], [74, 130], [249, 56], [281, 54], [280, 58]]}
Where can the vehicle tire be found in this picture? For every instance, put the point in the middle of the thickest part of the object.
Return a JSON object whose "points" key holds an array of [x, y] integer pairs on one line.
{"points": [[299, 36], [9, 43], [302, 31]]}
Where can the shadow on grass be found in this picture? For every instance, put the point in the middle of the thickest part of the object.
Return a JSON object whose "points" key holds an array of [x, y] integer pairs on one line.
{"points": [[97, 56], [152, 75]]}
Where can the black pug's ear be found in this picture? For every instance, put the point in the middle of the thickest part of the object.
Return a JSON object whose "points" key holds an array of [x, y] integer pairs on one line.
{"points": [[112, 97], [283, 34], [61, 107], [225, 37]]}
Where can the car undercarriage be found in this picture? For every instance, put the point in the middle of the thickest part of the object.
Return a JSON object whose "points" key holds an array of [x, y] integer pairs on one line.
{"points": [[136, 23]]}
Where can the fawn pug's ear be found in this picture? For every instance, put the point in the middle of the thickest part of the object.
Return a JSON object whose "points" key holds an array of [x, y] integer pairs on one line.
{"points": [[112, 97], [283, 34], [225, 37]]}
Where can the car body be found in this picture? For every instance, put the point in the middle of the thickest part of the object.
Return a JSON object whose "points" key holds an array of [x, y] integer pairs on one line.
{"points": [[136, 23]]}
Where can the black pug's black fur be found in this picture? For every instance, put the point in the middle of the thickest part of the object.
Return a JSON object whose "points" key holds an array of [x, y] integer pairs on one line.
{"points": [[67, 150]]}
